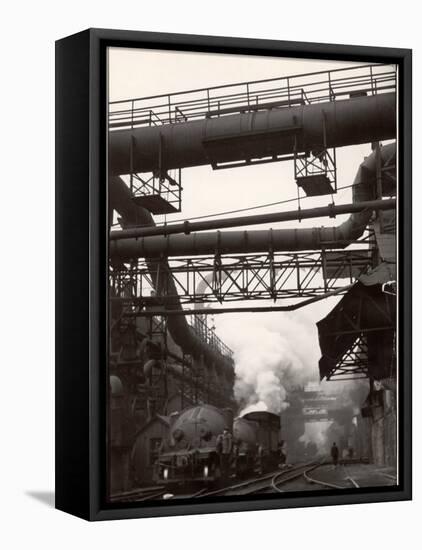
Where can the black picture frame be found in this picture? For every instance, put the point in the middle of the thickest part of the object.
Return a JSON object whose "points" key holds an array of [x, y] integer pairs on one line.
{"points": [[81, 268]]}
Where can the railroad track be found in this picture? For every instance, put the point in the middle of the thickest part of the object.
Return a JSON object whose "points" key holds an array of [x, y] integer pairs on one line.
{"points": [[279, 479], [139, 495], [389, 476], [329, 485], [268, 483], [263, 483], [274, 481]]}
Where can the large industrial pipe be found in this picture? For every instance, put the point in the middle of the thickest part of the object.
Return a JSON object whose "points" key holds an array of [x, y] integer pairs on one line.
{"points": [[261, 309], [238, 242], [332, 210], [182, 334], [252, 135]]}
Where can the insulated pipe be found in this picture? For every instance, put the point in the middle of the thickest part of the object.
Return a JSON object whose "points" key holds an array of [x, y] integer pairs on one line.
{"points": [[283, 240], [182, 334], [332, 210], [261, 241], [261, 309], [252, 135]]}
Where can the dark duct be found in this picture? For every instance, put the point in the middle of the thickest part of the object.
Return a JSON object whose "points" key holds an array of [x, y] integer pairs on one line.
{"points": [[238, 242], [265, 133], [182, 334]]}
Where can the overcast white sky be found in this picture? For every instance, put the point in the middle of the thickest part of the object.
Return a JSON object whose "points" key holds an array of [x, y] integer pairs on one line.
{"points": [[140, 73]]}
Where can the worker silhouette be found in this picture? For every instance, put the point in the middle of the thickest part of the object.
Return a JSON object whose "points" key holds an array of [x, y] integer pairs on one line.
{"points": [[334, 454], [224, 449]]}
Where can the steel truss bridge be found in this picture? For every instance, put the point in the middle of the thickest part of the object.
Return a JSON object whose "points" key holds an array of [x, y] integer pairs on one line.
{"points": [[146, 136], [218, 279]]}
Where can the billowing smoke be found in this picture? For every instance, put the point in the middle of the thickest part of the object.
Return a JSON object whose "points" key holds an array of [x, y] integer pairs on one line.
{"points": [[265, 367], [273, 353], [276, 354], [316, 432]]}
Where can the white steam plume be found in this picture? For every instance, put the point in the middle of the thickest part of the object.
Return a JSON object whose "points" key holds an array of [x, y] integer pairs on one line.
{"points": [[272, 352]]}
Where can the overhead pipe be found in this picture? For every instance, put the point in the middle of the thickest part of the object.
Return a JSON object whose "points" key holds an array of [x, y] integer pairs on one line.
{"points": [[259, 309], [252, 135], [276, 240], [187, 227], [183, 335]]}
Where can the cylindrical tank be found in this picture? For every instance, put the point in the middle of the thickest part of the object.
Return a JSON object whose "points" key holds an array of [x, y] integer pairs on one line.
{"points": [[197, 426]]}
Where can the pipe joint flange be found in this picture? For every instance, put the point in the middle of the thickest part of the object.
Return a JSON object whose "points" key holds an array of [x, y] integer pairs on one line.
{"points": [[186, 227], [271, 242], [332, 212]]}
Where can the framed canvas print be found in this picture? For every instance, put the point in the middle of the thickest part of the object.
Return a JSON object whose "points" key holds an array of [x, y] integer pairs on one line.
{"points": [[233, 274]]}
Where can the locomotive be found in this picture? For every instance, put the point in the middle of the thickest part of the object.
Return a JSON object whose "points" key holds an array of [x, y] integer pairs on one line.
{"points": [[191, 452], [259, 432]]}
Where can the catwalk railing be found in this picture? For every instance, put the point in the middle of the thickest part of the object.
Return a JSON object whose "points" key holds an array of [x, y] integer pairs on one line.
{"points": [[217, 101]]}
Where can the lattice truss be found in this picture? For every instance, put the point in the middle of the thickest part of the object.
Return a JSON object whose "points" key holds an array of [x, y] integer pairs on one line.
{"points": [[243, 277], [354, 363], [362, 339]]}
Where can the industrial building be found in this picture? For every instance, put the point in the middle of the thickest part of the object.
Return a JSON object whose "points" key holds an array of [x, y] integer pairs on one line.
{"points": [[167, 279]]}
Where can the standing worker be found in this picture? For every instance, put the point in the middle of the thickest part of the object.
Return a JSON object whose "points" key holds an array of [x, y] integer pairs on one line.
{"points": [[282, 454], [334, 454], [224, 448]]}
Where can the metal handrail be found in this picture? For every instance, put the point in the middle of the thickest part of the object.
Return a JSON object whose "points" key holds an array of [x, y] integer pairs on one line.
{"points": [[208, 335], [309, 88]]}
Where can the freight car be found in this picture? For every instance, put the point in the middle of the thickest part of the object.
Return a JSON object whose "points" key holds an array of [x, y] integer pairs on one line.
{"points": [[191, 455]]}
